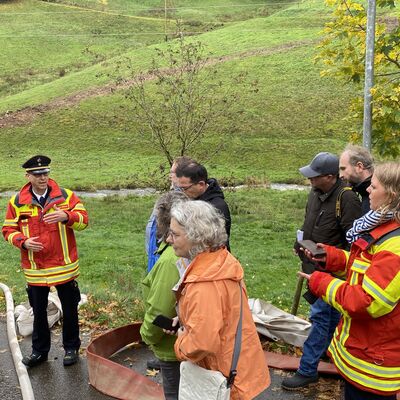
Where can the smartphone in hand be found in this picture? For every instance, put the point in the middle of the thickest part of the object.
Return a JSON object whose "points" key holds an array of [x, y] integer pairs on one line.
{"points": [[312, 248], [165, 323]]}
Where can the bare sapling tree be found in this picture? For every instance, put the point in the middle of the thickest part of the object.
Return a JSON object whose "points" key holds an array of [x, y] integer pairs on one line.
{"points": [[183, 104]]}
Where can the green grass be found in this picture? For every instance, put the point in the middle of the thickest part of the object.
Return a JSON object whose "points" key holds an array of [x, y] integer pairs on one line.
{"points": [[190, 11], [113, 261], [96, 144], [44, 41], [258, 33], [293, 115], [41, 44]]}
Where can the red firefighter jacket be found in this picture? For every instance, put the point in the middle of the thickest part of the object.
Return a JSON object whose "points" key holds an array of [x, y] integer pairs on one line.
{"points": [[58, 261], [366, 344]]}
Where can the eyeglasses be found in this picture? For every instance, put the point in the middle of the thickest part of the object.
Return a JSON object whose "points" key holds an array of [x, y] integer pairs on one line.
{"points": [[183, 188], [173, 235]]}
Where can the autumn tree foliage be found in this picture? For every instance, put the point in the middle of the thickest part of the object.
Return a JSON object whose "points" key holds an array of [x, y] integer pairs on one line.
{"points": [[342, 53]]}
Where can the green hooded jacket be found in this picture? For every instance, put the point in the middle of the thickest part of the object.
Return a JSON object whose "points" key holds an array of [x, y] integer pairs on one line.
{"points": [[159, 299]]}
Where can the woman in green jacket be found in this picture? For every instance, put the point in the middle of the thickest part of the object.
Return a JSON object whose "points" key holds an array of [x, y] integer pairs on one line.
{"points": [[160, 299]]}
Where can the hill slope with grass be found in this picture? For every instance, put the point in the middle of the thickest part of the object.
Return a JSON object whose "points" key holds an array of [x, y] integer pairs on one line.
{"points": [[88, 131]]}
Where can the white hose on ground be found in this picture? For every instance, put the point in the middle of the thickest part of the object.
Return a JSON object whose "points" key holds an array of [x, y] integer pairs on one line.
{"points": [[22, 373]]}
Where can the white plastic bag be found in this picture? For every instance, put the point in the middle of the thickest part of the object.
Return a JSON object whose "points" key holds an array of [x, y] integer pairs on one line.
{"points": [[24, 313], [278, 324]]}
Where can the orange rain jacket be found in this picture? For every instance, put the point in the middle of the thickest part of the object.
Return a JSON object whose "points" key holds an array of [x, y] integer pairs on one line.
{"points": [[209, 306], [58, 261], [366, 345]]}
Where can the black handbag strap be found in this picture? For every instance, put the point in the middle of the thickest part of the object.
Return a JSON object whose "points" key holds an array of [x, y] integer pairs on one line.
{"points": [[238, 344]]}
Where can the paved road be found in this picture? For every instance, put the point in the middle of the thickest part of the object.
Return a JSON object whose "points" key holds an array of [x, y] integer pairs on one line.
{"points": [[52, 381]]}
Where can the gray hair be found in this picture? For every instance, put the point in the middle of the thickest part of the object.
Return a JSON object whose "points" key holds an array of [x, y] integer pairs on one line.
{"points": [[360, 154], [203, 224], [163, 211]]}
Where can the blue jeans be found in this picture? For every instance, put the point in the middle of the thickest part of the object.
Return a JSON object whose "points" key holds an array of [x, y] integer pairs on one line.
{"points": [[324, 319]]}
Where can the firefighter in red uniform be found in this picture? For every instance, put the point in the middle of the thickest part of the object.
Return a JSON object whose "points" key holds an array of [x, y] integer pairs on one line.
{"points": [[40, 221], [366, 345]]}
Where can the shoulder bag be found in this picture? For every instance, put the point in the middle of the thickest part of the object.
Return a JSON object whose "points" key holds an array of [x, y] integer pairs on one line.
{"points": [[197, 383]]}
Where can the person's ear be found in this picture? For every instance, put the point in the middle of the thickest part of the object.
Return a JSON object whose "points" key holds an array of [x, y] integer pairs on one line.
{"points": [[360, 165], [392, 196]]}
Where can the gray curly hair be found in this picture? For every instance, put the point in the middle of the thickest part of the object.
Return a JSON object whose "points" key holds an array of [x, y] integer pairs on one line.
{"points": [[203, 224]]}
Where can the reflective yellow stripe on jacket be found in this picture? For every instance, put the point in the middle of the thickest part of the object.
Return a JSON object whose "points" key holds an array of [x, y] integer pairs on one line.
{"points": [[25, 231], [11, 222], [80, 225], [384, 299], [53, 275], [64, 242], [330, 295], [11, 236], [370, 375]]}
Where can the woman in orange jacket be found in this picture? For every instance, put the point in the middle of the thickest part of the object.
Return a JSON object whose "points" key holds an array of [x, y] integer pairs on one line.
{"points": [[366, 345], [209, 301]]}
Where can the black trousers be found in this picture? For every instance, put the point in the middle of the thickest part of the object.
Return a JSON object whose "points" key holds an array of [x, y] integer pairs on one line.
{"points": [[353, 393], [70, 296], [170, 371]]}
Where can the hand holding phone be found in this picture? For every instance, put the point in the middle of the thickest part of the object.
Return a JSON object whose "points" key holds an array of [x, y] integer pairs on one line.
{"points": [[165, 323], [317, 252]]}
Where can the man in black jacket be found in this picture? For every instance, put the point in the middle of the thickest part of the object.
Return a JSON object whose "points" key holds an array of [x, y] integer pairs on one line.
{"points": [[356, 167], [331, 209], [193, 180]]}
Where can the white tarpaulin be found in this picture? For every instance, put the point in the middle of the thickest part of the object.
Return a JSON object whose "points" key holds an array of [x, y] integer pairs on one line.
{"points": [[24, 313], [278, 324]]}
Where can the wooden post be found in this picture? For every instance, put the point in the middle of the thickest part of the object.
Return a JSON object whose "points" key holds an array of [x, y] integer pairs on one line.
{"points": [[296, 299], [165, 20]]}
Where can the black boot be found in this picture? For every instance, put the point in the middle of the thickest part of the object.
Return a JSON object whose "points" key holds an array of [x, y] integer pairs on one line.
{"points": [[71, 357], [298, 381], [34, 359]]}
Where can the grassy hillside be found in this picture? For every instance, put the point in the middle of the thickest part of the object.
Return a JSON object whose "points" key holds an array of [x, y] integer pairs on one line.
{"points": [[95, 144], [297, 24], [42, 41], [193, 12], [294, 114]]}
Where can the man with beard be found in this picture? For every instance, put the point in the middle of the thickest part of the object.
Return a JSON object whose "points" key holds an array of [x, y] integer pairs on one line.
{"points": [[356, 167]]}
